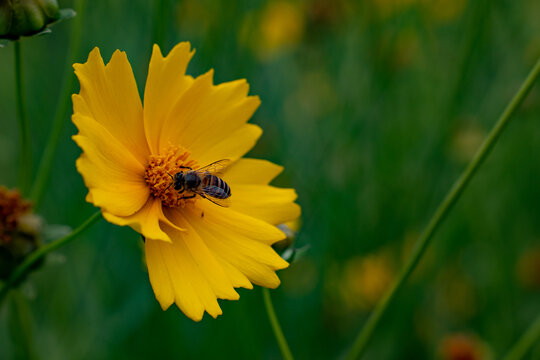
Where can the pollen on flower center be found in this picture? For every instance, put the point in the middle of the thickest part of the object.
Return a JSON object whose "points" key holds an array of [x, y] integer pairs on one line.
{"points": [[160, 170]]}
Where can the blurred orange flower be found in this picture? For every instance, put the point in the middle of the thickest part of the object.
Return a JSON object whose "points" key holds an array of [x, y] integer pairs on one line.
{"points": [[463, 347], [19, 230]]}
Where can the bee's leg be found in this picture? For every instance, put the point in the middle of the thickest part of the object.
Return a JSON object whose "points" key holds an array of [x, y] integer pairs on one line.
{"points": [[185, 167], [188, 197]]}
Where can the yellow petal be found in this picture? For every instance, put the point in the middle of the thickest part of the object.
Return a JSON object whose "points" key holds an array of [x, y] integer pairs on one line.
{"points": [[166, 83], [110, 97], [207, 114], [252, 171], [226, 219], [255, 259], [238, 279], [148, 221], [186, 272], [170, 281], [159, 275], [207, 263], [114, 177], [230, 147], [268, 203]]}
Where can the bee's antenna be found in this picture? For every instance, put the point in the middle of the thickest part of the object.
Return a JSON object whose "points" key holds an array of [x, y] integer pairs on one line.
{"points": [[172, 178]]}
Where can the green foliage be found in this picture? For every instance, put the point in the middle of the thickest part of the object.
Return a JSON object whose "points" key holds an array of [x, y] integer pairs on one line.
{"points": [[374, 108]]}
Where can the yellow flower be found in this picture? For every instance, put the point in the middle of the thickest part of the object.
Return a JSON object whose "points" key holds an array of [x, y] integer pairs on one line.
{"points": [[196, 251]]}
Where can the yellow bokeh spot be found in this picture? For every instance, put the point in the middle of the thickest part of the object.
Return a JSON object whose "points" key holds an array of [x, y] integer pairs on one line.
{"points": [[444, 11], [278, 27], [528, 268], [466, 141], [365, 279]]}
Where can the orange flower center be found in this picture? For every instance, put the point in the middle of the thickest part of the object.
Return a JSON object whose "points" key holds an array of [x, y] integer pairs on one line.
{"points": [[160, 172]]}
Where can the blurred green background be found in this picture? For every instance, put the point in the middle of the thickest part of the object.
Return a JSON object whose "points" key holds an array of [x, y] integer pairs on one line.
{"points": [[374, 108]]}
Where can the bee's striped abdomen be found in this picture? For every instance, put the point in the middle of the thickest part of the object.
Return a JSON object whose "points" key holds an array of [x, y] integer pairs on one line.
{"points": [[216, 187]]}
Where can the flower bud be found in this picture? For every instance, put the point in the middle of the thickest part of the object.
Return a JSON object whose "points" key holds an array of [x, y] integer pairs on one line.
{"points": [[286, 243], [286, 247], [28, 17], [19, 230]]}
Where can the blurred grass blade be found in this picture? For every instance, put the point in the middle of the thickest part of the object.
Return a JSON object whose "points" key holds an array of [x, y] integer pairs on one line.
{"points": [[62, 110], [530, 338], [361, 341], [26, 151], [21, 270], [282, 342], [159, 24], [21, 327]]}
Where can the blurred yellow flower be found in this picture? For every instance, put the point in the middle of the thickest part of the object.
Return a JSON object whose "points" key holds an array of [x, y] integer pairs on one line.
{"points": [[365, 279], [455, 294], [278, 27], [196, 251], [444, 11], [466, 140], [406, 48], [282, 25], [528, 268]]}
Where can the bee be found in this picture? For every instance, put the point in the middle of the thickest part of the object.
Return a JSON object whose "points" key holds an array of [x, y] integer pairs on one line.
{"points": [[204, 182]]}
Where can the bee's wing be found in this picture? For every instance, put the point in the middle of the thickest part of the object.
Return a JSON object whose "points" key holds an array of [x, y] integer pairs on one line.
{"points": [[221, 202], [216, 168], [213, 194]]}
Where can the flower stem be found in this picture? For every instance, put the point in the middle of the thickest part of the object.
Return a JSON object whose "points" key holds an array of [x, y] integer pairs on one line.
{"points": [[21, 327], [282, 342], [23, 268], [26, 154], [523, 345], [361, 341], [62, 109]]}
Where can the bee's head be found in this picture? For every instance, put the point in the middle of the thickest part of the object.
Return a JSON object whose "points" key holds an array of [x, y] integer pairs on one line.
{"points": [[178, 180]]}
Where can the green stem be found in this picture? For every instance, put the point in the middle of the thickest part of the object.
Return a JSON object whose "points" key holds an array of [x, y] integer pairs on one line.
{"points": [[26, 154], [21, 327], [62, 109], [23, 268], [361, 341], [282, 342], [524, 344]]}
